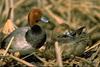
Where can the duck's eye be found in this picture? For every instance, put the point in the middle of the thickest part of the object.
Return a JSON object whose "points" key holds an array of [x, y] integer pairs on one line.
{"points": [[37, 20]]}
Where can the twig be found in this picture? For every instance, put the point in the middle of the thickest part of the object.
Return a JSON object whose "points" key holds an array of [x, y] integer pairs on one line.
{"points": [[35, 56], [39, 3], [8, 46], [58, 54], [95, 54], [22, 61], [93, 29], [2, 7], [28, 55], [5, 52], [18, 3], [98, 62], [69, 11], [12, 11], [95, 45], [6, 7], [84, 60], [9, 13]]}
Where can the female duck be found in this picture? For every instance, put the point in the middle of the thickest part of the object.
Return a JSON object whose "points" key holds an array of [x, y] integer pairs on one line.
{"points": [[72, 43]]}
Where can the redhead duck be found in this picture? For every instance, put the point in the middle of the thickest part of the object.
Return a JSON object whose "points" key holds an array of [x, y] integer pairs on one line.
{"points": [[27, 39]]}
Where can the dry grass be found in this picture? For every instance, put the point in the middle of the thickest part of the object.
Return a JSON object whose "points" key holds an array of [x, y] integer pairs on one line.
{"points": [[75, 13]]}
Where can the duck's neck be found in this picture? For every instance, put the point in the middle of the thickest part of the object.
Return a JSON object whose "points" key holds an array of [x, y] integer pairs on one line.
{"points": [[36, 29], [35, 35]]}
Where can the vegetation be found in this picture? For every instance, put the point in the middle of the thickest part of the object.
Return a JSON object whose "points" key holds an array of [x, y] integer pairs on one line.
{"points": [[74, 13]]}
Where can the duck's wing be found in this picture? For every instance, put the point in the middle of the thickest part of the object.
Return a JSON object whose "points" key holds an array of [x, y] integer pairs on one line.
{"points": [[20, 32]]}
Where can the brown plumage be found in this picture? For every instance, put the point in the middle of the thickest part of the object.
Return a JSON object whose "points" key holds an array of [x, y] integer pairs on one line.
{"points": [[72, 43], [34, 16]]}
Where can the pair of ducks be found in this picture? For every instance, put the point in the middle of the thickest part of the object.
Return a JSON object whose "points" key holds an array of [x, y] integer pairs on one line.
{"points": [[28, 39]]}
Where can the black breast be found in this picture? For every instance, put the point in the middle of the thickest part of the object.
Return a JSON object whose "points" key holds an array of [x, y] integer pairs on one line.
{"points": [[36, 36]]}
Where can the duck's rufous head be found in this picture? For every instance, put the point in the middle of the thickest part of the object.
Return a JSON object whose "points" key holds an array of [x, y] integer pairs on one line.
{"points": [[34, 16]]}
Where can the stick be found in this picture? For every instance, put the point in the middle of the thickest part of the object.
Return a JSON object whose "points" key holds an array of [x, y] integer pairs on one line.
{"points": [[5, 52], [8, 46], [22, 61], [97, 44], [35, 56], [58, 55]]}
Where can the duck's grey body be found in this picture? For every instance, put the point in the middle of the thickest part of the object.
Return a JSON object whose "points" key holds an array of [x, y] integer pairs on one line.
{"points": [[25, 41]]}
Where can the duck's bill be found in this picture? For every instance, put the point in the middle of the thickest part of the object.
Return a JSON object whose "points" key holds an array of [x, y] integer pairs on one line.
{"points": [[44, 19]]}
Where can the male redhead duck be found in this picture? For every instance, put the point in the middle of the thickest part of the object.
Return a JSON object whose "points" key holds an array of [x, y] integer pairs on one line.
{"points": [[27, 39]]}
